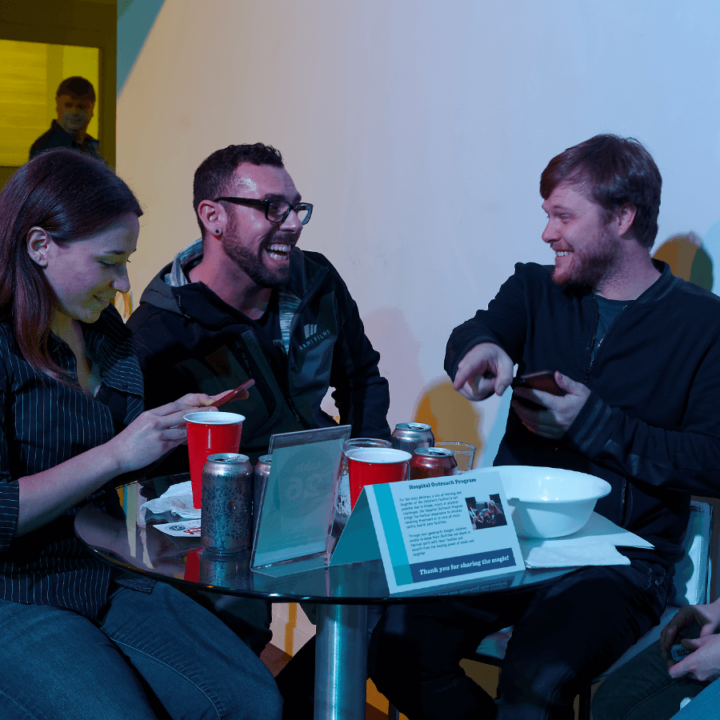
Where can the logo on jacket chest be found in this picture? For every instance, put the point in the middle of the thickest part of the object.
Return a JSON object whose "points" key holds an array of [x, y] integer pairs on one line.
{"points": [[312, 336]]}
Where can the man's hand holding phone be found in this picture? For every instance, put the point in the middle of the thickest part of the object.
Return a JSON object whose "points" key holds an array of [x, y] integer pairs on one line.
{"points": [[542, 380], [548, 402]]}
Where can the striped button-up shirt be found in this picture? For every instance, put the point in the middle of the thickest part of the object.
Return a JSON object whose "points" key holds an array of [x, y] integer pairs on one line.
{"points": [[43, 423]]}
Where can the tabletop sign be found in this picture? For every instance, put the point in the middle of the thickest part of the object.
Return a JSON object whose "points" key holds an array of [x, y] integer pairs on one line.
{"points": [[433, 531], [295, 513]]}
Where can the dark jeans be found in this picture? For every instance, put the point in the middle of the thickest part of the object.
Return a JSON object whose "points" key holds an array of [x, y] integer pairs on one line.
{"points": [[565, 635], [152, 656], [248, 618]]}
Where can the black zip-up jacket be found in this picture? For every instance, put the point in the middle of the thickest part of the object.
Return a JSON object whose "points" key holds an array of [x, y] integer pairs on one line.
{"points": [[189, 340], [651, 426]]}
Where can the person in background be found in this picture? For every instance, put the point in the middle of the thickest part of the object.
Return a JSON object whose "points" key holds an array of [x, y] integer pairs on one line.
{"points": [[75, 103], [245, 302], [636, 352], [654, 686], [82, 640]]}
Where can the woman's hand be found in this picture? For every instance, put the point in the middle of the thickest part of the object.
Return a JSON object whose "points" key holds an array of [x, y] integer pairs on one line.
{"points": [[156, 432], [49, 493]]}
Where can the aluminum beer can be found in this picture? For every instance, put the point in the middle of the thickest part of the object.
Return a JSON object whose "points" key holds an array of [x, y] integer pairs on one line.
{"points": [[262, 472], [430, 462], [227, 491], [411, 435]]}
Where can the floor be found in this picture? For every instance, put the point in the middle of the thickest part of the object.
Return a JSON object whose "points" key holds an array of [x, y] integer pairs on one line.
{"points": [[485, 675]]}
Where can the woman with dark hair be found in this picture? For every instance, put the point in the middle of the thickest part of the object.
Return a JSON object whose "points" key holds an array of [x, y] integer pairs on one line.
{"points": [[79, 639]]}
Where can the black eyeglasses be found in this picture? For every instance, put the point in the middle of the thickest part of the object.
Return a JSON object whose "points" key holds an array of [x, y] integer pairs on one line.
{"points": [[275, 210]]}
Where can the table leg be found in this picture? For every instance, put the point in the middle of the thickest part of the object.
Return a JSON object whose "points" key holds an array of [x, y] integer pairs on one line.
{"points": [[341, 662]]}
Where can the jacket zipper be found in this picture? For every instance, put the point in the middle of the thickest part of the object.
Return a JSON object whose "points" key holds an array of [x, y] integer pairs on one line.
{"points": [[288, 396], [295, 412], [593, 354], [586, 379], [288, 400], [293, 324]]}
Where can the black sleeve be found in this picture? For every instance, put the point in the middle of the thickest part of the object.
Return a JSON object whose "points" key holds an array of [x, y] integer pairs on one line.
{"points": [[503, 323], [361, 394]]}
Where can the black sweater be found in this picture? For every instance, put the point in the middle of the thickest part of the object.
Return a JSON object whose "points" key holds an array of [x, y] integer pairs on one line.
{"points": [[651, 426]]}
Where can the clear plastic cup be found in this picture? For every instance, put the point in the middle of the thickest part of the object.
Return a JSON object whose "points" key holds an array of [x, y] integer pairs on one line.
{"points": [[464, 453]]}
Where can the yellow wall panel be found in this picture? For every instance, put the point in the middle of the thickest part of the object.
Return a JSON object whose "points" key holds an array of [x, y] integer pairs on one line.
{"points": [[22, 99]]}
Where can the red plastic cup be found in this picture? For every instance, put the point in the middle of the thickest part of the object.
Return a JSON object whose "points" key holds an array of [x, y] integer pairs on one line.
{"points": [[372, 466], [209, 433]]}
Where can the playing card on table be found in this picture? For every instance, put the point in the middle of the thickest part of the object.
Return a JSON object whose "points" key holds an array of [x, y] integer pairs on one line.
{"points": [[184, 528]]}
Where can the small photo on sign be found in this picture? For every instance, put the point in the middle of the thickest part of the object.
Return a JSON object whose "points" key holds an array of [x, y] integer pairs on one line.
{"points": [[486, 513]]}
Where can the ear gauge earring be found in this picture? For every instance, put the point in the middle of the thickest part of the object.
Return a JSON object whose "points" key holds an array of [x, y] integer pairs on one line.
{"points": [[217, 231]]}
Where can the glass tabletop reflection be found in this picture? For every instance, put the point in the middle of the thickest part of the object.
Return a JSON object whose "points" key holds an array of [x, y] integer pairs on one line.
{"points": [[125, 536]]}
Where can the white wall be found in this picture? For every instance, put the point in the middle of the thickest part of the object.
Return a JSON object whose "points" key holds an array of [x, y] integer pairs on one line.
{"points": [[419, 130]]}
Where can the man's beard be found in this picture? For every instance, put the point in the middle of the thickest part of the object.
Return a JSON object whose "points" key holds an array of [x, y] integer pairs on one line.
{"points": [[592, 265], [252, 264]]}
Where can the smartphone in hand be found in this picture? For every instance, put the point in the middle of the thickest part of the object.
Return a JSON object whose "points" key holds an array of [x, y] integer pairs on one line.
{"points": [[542, 380], [237, 393]]}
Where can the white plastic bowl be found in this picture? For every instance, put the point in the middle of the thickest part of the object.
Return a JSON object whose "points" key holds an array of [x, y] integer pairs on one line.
{"points": [[549, 502]]}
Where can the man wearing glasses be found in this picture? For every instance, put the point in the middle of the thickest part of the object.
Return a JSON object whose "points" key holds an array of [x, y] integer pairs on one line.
{"points": [[244, 302]]}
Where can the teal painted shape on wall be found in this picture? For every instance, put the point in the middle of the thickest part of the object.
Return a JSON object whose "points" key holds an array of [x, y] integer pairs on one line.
{"points": [[711, 244], [135, 19]]}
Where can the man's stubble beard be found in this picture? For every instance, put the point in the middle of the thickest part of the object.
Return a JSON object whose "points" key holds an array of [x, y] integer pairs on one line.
{"points": [[251, 263], [592, 265]]}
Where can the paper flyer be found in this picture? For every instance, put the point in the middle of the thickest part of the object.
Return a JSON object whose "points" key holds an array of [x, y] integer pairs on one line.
{"points": [[433, 531]]}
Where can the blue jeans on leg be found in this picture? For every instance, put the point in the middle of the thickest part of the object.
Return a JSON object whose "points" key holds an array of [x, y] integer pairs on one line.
{"points": [[152, 655], [642, 689], [705, 706], [248, 618]]}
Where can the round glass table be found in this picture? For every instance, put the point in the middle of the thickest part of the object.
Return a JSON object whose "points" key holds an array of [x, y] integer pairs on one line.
{"points": [[125, 537]]}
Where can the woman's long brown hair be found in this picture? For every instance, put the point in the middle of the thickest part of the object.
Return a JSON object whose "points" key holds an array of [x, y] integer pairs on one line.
{"points": [[70, 195]]}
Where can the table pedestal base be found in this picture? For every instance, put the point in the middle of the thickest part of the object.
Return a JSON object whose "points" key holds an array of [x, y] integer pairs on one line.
{"points": [[341, 662]]}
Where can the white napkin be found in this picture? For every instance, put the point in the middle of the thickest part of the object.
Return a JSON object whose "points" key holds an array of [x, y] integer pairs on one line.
{"points": [[566, 556], [594, 544], [596, 529], [177, 499]]}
